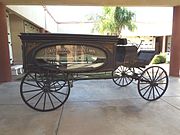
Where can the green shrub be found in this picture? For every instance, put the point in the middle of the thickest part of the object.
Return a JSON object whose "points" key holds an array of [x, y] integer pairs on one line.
{"points": [[158, 59]]}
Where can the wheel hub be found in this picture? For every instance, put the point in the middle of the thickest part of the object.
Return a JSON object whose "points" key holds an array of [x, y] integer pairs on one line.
{"points": [[153, 83], [123, 73], [46, 88]]}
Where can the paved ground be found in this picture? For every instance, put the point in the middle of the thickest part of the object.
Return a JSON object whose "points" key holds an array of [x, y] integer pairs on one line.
{"points": [[95, 107]]}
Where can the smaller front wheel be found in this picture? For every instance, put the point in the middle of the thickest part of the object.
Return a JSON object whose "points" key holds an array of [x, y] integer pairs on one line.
{"points": [[152, 83], [122, 76]]}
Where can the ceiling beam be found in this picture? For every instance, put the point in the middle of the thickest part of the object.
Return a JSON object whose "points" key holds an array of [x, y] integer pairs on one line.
{"points": [[94, 2]]}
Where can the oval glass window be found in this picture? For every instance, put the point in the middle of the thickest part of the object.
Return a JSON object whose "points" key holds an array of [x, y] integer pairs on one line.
{"points": [[71, 57]]}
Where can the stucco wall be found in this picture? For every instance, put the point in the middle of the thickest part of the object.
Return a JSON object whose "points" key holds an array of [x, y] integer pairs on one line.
{"points": [[37, 15], [51, 25], [17, 26]]}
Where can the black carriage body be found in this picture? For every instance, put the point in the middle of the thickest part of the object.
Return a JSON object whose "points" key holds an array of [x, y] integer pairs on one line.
{"points": [[34, 43], [129, 56], [45, 89], [110, 52]]}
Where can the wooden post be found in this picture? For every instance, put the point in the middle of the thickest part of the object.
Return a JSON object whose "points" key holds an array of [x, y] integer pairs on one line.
{"points": [[175, 47], [5, 68]]}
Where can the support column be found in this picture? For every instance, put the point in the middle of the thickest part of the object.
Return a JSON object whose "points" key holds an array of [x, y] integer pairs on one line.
{"points": [[175, 47], [5, 68], [164, 44]]}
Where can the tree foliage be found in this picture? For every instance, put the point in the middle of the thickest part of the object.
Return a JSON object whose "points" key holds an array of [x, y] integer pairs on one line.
{"points": [[113, 20]]}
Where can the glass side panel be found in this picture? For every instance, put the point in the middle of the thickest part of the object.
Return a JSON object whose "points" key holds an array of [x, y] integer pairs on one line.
{"points": [[71, 57]]}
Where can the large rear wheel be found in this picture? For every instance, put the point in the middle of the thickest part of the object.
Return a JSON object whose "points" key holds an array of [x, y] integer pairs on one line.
{"points": [[44, 91]]}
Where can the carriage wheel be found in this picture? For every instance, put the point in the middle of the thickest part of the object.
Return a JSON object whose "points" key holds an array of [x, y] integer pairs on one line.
{"points": [[44, 91], [122, 76], [152, 83]]}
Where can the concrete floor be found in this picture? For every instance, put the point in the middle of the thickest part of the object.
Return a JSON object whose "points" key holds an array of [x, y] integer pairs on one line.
{"points": [[95, 107]]}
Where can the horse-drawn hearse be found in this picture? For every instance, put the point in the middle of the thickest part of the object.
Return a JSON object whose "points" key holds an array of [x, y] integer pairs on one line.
{"points": [[52, 61]]}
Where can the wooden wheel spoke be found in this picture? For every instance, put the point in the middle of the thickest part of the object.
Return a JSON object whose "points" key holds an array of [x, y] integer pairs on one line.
{"points": [[153, 93], [150, 92], [156, 74], [61, 84], [149, 75], [53, 83], [157, 91], [40, 83], [50, 100], [42, 78], [120, 70], [145, 78], [144, 87], [129, 79], [117, 73], [160, 88], [146, 91], [44, 105], [38, 100], [59, 88], [28, 91], [159, 75], [60, 93], [161, 79], [120, 80], [126, 80], [31, 84], [39, 80], [56, 97], [162, 83], [116, 79], [32, 77], [54, 87], [34, 96], [126, 69], [144, 82], [153, 74]]}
